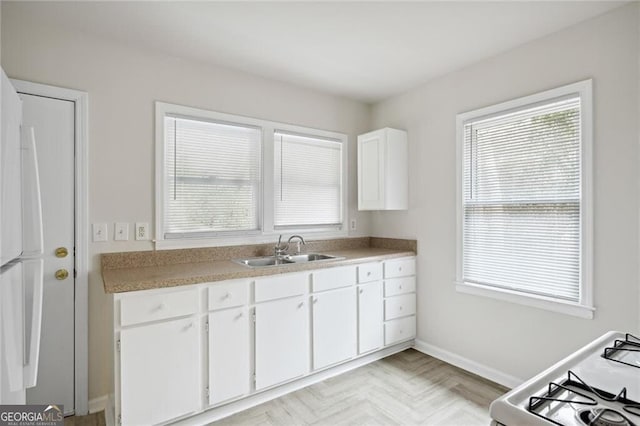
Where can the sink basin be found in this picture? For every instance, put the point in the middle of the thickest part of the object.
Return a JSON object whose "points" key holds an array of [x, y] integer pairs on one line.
{"points": [[257, 262], [310, 257], [260, 262]]}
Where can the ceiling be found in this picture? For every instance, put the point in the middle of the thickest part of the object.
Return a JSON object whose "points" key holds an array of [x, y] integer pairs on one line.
{"points": [[362, 50]]}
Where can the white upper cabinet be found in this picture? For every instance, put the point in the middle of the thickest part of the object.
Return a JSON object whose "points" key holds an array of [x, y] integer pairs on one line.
{"points": [[383, 178]]}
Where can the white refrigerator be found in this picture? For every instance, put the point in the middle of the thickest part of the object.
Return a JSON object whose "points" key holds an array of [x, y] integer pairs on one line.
{"points": [[21, 242]]}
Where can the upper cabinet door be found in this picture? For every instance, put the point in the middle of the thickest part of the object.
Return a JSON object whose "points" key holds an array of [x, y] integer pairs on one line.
{"points": [[383, 177]]}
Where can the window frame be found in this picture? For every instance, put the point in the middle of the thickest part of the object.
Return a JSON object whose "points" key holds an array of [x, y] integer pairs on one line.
{"points": [[584, 308], [266, 212]]}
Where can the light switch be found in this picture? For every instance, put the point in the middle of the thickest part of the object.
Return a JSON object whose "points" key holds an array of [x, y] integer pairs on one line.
{"points": [[121, 232], [142, 231], [100, 232]]}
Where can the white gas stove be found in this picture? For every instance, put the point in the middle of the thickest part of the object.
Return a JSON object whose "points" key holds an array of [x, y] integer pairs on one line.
{"points": [[599, 385]]}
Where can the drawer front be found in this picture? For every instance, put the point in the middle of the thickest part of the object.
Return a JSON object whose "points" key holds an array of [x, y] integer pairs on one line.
{"points": [[398, 330], [400, 268], [144, 308], [228, 294], [399, 306], [396, 286], [327, 279], [280, 286], [369, 272]]}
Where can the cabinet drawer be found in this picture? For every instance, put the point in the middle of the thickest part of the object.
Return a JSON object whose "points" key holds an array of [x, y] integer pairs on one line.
{"points": [[229, 294], [396, 286], [399, 330], [327, 279], [369, 272], [400, 268], [280, 286], [145, 308], [399, 306]]}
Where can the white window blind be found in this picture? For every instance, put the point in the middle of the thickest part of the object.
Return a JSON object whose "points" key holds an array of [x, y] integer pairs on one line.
{"points": [[212, 177], [307, 181], [522, 199]]}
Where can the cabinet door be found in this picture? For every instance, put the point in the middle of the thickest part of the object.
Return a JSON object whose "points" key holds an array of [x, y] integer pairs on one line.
{"points": [[282, 341], [334, 327], [229, 363], [371, 171], [370, 317], [160, 371]]}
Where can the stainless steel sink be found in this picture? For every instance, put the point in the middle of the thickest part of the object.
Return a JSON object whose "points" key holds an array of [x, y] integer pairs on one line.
{"points": [[310, 257], [258, 262], [264, 261]]}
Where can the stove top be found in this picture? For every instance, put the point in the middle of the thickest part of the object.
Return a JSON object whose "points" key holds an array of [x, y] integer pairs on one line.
{"points": [[598, 385]]}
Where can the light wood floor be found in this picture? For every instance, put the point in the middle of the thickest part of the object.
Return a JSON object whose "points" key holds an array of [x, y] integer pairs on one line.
{"points": [[408, 388], [95, 419]]}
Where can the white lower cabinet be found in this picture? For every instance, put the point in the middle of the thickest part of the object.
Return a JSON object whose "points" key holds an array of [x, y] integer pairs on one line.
{"points": [[334, 326], [229, 354], [282, 341], [370, 318], [262, 332], [160, 373]]}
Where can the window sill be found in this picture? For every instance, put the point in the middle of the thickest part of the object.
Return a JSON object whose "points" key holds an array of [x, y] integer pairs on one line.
{"points": [[540, 302]]}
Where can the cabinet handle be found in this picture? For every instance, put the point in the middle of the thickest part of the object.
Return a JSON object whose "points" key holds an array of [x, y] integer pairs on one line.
{"points": [[161, 306], [400, 307], [227, 296], [369, 273], [240, 315], [400, 287], [400, 268], [300, 305], [188, 326], [315, 300], [361, 291]]}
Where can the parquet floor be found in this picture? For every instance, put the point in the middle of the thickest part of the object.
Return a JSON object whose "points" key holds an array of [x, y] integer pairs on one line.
{"points": [[408, 388]]}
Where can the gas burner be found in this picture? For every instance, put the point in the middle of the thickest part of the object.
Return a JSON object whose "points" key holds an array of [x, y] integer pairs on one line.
{"points": [[603, 417]]}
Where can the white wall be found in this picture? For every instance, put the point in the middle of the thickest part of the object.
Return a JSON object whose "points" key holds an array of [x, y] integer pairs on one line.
{"points": [[514, 339], [123, 83]]}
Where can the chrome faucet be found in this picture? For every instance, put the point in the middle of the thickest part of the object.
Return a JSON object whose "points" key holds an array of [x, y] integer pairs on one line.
{"points": [[300, 240], [280, 249]]}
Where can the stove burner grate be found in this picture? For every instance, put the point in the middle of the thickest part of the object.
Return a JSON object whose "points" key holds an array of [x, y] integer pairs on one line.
{"points": [[592, 416], [630, 343]]}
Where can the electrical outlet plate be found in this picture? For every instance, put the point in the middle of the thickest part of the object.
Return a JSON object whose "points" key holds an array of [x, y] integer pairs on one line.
{"points": [[142, 231], [352, 226], [100, 232], [121, 232]]}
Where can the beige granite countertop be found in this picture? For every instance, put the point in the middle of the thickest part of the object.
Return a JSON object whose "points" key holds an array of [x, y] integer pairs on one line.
{"points": [[124, 279]]}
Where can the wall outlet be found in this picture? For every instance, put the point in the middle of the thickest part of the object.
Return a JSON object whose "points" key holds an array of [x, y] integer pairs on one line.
{"points": [[352, 225], [121, 232], [100, 232], [142, 231]]}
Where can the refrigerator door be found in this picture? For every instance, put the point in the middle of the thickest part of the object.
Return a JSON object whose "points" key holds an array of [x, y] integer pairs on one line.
{"points": [[12, 386], [10, 173]]}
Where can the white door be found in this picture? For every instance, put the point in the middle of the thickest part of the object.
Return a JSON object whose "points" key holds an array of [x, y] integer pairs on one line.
{"points": [[229, 361], [282, 341], [53, 121], [370, 317], [160, 371], [334, 327]]}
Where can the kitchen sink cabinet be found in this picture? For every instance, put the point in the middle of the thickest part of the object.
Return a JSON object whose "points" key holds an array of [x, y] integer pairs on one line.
{"points": [[204, 348], [160, 374], [229, 354], [334, 326], [282, 341], [383, 179]]}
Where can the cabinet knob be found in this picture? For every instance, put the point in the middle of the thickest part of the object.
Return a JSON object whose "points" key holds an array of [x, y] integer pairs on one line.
{"points": [[369, 273], [315, 300], [61, 252], [300, 305], [227, 296], [188, 326], [400, 268], [400, 287], [400, 307], [361, 291]]}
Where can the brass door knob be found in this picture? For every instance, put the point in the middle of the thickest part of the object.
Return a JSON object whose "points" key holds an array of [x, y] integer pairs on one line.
{"points": [[62, 252], [62, 274]]}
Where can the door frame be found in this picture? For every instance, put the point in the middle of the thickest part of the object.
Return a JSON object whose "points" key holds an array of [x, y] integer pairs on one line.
{"points": [[81, 209]]}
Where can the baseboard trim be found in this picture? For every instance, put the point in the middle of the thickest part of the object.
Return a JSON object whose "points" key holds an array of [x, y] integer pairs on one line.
{"points": [[98, 404], [231, 408], [468, 365]]}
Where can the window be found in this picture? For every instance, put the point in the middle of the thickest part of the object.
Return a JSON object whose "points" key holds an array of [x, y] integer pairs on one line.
{"points": [[524, 213], [223, 178], [308, 181]]}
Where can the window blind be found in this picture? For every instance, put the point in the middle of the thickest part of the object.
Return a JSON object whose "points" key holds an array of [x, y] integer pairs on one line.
{"points": [[522, 200], [212, 177], [307, 181]]}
